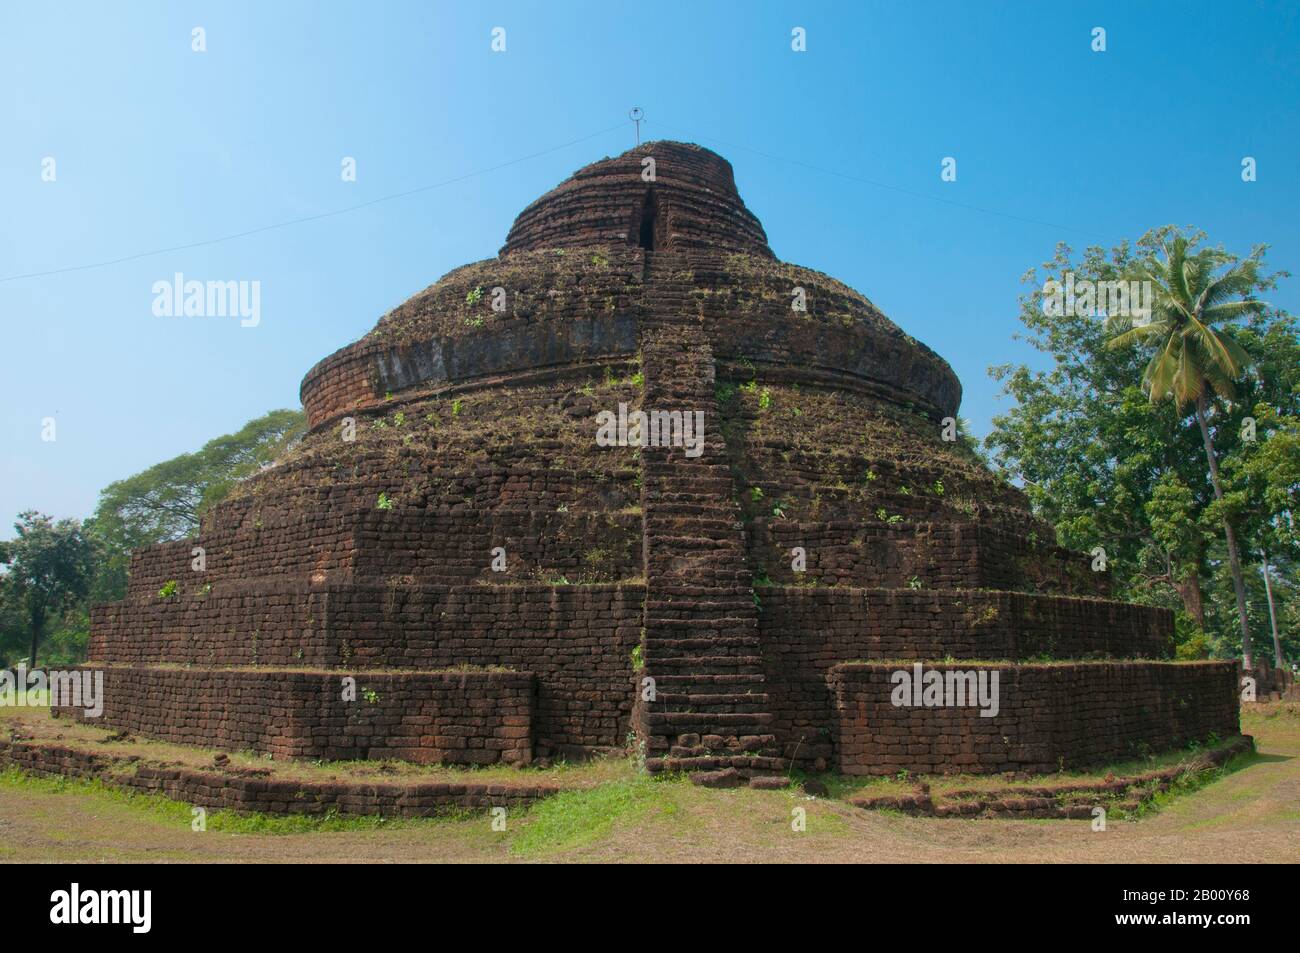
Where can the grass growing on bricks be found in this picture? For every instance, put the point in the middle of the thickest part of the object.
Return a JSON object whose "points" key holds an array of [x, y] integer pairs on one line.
{"points": [[168, 811]]}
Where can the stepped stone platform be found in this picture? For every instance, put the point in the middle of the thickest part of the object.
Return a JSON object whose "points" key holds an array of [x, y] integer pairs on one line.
{"points": [[264, 789], [452, 534], [1074, 798]]}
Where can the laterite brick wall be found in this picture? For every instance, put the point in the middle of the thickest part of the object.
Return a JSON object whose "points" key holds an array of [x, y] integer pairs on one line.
{"points": [[939, 555], [346, 380], [806, 631], [1131, 709], [450, 548], [578, 640], [452, 718]]}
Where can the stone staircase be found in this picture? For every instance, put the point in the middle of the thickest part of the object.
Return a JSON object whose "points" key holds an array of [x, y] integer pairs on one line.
{"points": [[710, 714]]}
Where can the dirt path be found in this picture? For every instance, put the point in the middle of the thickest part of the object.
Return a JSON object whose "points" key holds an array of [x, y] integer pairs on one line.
{"points": [[1251, 815]]}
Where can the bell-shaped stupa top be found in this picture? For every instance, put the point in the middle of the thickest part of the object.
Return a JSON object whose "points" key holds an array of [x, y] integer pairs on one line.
{"points": [[660, 196]]}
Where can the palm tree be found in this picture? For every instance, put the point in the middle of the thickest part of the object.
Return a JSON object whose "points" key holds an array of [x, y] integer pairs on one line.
{"points": [[1192, 360]]}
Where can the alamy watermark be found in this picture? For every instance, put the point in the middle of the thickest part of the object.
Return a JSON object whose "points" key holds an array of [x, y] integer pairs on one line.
{"points": [[947, 688], [1084, 298], [656, 428], [208, 299], [81, 688], [76, 905]]}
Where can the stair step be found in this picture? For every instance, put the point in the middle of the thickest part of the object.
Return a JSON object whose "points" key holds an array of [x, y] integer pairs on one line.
{"points": [[660, 602], [682, 611], [698, 569], [705, 722], [701, 515], [728, 745], [731, 642], [685, 543], [697, 643], [764, 763], [706, 684], [701, 643], [703, 662], [700, 700], [706, 621], [687, 590]]}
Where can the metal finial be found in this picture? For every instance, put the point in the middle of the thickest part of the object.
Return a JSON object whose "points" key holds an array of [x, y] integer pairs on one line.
{"points": [[636, 114]]}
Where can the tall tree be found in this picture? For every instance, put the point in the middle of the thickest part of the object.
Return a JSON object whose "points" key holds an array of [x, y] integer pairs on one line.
{"points": [[1262, 495], [167, 500], [49, 570], [1091, 450], [1109, 468], [1192, 359]]}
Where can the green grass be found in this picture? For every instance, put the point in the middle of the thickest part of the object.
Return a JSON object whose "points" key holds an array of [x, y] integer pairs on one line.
{"points": [[571, 819], [616, 799], [39, 723], [1189, 782], [578, 818], [168, 811], [568, 820], [843, 787]]}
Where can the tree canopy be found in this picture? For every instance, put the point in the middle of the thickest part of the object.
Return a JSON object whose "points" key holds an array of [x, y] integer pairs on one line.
{"points": [[1110, 468], [168, 500], [56, 570], [48, 570]]}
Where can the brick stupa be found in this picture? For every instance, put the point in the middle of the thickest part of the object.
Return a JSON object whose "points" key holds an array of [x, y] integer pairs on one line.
{"points": [[474, 409]]}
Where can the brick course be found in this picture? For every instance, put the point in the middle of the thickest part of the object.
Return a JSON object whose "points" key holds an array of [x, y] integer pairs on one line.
{"points": [[949, 555], [427, 717], [1132, 709], [222, 789], [577, 640], [805, 632]]}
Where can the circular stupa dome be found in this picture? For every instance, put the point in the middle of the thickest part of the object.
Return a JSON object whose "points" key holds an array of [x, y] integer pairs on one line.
{"points": [[461, 519], [580, 270]]}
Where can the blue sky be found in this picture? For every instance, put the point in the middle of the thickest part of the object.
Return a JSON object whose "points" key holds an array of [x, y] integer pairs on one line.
{"points": [[158, 146]]}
